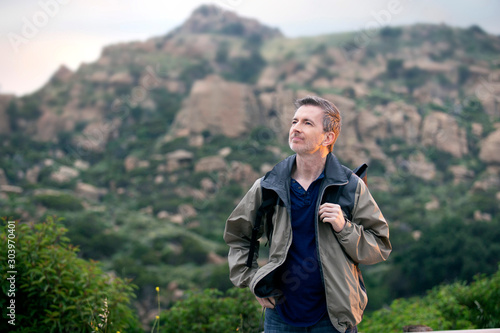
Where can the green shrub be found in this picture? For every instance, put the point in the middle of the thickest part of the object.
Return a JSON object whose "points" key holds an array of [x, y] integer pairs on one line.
{"points": [[30, 109], [211, 311], [59, 201], [92, 232], [447, 307], [403, 312], [414, 78], [55, 290], [195, 72], [193, 251], [479, 301], [390, 33], [245, 69], [394, 68]]}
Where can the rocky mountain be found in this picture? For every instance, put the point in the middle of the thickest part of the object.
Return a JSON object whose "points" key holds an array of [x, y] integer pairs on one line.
{"points": [[146, 150]]}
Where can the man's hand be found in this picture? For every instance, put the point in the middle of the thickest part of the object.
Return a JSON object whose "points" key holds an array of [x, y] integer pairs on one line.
{"points": [[268, 302], [332, 213]]}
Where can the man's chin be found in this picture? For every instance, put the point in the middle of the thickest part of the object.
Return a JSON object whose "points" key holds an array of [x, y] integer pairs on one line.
{"points": [[296, 148]]}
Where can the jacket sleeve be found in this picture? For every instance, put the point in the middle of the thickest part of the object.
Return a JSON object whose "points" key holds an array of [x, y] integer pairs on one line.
{"points": [[237, 235], [366, 238]]}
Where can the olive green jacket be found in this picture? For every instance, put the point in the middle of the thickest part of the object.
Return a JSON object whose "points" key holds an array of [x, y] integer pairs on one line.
{"points": [[363, 240]]}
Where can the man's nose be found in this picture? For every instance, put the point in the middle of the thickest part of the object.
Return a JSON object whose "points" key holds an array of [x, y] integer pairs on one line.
{"points": [[296, 128]]}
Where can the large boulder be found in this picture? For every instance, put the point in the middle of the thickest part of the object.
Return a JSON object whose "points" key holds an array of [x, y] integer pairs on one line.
{"points": [[420, 167], [402, 121], [219, 107], [121, 78], [242, 173], [211, 164], [279, 110], [395, 119], [176, 160], [442, 131], [64, 174], [490, 148], [89, 191]]}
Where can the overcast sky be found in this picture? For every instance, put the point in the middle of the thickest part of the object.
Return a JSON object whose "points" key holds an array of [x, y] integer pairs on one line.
{"points": [[37, 36]]}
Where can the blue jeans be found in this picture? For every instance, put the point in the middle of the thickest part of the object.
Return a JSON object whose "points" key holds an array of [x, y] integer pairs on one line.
{"points": [[274, 324]]}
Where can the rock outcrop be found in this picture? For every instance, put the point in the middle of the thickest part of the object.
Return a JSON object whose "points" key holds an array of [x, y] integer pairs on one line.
{"points": [[219, 107], [213, 19], [89, 191], [442, 131], [490, 148], [64, 174], [62, 75], [210, 164]]}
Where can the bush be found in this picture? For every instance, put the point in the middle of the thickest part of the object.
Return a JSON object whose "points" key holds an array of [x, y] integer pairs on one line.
{"points": [[30, 109], [394, 68], [480, 299], [193, 251], [447, 307], [390, 33], [403, 312], [93, 234], [245, 69], [59, 202], [55, 290], [213, 312], [414, 78], [195, 72]]}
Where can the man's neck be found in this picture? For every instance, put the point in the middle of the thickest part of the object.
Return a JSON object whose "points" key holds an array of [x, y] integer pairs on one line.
{"points": [[308, 168]]}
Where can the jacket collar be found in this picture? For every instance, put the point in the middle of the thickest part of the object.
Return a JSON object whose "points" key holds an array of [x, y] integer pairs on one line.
{"points": [[279, 176], [335, 173]]}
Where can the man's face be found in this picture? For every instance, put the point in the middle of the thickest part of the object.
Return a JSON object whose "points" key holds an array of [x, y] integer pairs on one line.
{"points": [[306, 134]]}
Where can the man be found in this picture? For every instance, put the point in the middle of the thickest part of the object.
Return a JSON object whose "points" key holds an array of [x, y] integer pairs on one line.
{"points": [[311, 282]]}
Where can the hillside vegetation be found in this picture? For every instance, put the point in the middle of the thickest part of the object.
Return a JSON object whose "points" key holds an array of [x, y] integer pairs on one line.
{"points": [[146, 151]]}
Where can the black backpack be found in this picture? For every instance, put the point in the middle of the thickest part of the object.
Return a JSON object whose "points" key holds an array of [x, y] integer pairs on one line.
{"points": [[270, 199]]}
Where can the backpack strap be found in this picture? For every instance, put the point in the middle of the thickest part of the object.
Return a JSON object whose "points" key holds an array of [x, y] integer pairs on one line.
{"points": [[360, 171], [334, 196], [269, 199]]}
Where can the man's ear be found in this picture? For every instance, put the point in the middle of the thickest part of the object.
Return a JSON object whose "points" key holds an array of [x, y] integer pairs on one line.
{"points": [[329, 139]]}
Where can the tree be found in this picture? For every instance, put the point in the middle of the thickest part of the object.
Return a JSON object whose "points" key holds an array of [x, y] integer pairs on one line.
{"points": [[448, 251]]}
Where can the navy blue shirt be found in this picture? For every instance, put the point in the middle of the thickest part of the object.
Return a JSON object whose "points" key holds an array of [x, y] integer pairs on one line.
{"points": [[304, 302]]}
